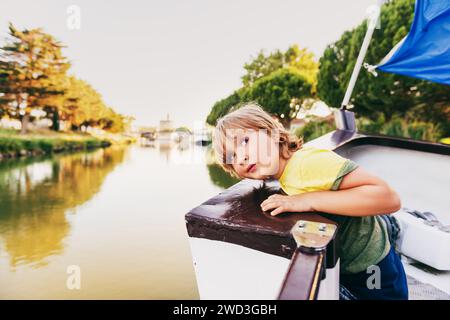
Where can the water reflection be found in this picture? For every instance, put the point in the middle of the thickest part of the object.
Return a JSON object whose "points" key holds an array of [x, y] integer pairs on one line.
{"points": [[128, 234], [35, 197], [186, 151]]}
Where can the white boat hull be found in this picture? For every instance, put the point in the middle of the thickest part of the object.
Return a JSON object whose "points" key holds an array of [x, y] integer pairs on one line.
{"points": [[227, 271]]}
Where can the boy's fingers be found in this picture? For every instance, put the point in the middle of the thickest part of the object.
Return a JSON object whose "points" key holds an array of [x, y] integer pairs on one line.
{"points": [[267, 201], [270, 199], [277, 211], [267, 207], [276, 195], [270, 205]]}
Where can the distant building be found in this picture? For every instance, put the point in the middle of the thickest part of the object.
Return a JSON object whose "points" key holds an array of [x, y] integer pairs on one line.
{"points": [[166, 125], [320, 109]]}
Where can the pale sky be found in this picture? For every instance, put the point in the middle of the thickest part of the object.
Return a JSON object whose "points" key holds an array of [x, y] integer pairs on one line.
{"points": [[150, 58]]}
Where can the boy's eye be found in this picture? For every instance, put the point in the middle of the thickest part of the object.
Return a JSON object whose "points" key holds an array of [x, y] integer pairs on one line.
{"points": [[245, 140]]}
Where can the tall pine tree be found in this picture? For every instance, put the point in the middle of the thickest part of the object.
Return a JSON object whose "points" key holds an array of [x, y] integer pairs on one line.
{"points": [[32, 75]]}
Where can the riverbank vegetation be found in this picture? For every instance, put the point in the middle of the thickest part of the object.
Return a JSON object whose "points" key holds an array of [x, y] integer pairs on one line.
{"points": [[386, 103], [50, 109], [396, 126], [15, 144], [288, 84]]}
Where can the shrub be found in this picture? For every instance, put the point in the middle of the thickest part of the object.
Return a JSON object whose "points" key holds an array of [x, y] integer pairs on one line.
{"points": [[10, 145], [314, 129], [403, 127]]}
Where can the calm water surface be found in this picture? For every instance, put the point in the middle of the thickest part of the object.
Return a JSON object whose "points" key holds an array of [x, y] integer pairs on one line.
{"points": [[117, 213]]}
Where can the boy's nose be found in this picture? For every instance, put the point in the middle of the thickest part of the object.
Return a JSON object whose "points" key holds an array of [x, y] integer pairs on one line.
{"points": [[243, 160]]}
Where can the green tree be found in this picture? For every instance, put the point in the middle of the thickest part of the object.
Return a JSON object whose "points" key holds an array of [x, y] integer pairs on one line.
{"points": [[84, 106], [222, 107], [387, 94], [33, 71], [280, 71], [263, 65], [113, 121], [283, 93]]}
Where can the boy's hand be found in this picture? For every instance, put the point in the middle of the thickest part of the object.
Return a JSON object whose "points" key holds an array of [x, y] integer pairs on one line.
{"points": [[280, 203]]}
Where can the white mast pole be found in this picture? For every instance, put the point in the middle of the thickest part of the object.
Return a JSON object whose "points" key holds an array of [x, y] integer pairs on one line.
{"points": [[371, 25]]}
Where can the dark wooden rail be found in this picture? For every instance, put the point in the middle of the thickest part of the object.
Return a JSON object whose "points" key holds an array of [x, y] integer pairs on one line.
{"points": [[302, 280], [308, 263]]}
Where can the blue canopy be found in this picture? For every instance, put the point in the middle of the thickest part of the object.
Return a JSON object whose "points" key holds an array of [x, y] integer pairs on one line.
{"points": [[425, 52]]}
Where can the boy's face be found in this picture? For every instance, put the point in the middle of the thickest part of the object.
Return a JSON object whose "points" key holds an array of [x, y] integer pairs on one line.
{"points": [[253, 153]]}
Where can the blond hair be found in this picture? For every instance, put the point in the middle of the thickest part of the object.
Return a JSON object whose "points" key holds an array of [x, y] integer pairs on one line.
{"points": [[252, 116]]}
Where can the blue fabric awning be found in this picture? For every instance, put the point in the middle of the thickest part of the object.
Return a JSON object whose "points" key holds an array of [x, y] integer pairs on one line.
{"points": [[425, 52]]}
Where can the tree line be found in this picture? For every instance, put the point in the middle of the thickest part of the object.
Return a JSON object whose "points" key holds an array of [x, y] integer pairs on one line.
{"points": [[386, 95], [34, 76], [285, 82]]}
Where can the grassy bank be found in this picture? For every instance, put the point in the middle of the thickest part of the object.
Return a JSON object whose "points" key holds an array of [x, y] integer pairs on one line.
{"points": [[395, 127], [14, 144]]}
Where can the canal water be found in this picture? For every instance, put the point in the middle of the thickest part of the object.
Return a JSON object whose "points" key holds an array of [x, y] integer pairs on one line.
{"points": [[116, 215]]}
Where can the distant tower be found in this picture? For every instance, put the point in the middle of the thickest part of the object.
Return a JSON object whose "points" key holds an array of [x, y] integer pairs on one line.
{"points": [[166, 125]]}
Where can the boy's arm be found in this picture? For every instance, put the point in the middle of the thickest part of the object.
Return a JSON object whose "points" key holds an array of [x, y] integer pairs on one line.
{"points": [[360, 194]]}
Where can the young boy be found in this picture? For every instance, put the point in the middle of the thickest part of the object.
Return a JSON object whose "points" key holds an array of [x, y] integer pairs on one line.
{"points": [[250, 144]]}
